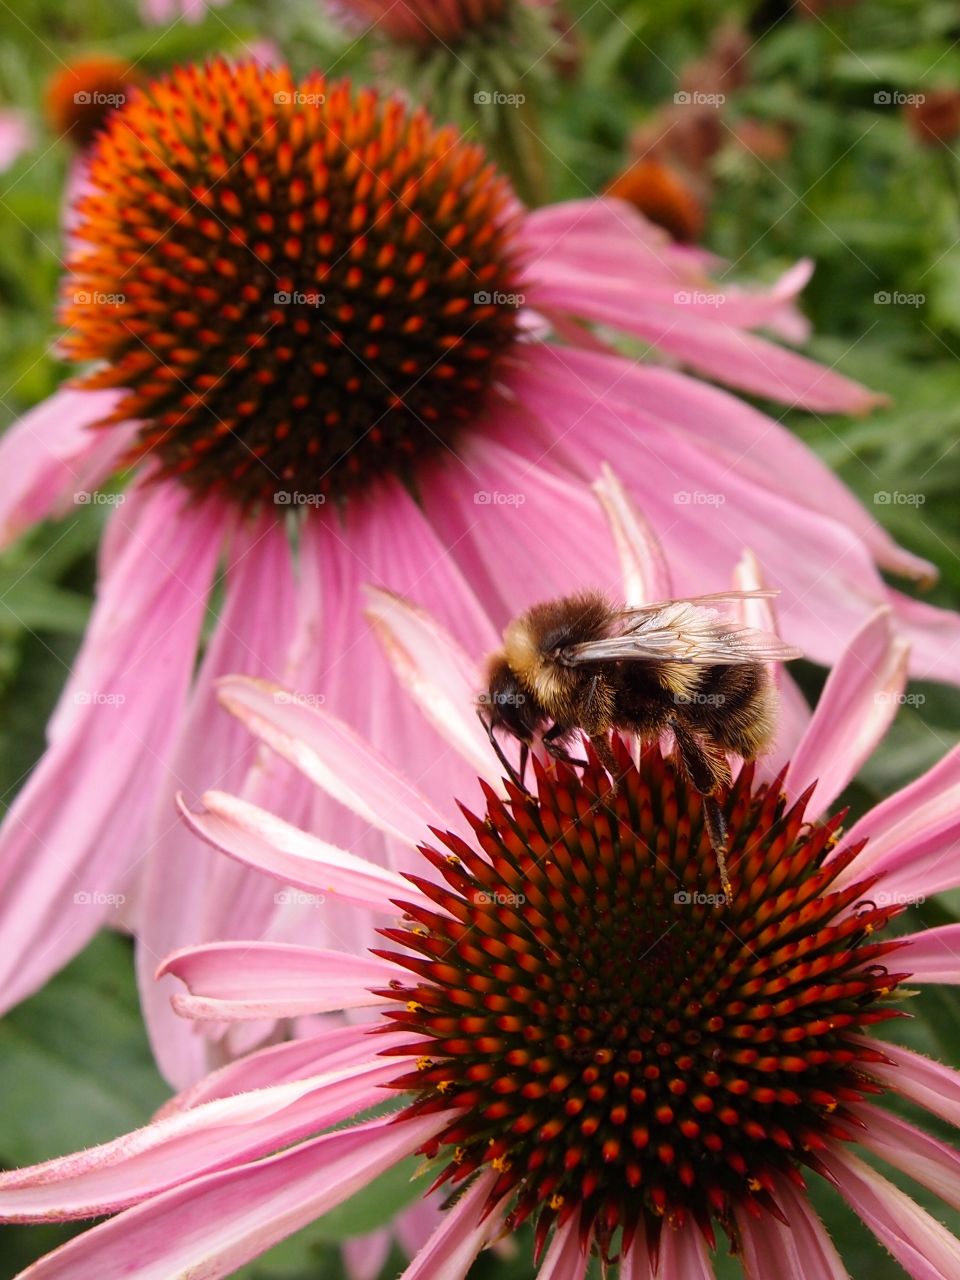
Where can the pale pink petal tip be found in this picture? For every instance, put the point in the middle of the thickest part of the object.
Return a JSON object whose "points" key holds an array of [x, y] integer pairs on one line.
{"points": [[646, 574]]}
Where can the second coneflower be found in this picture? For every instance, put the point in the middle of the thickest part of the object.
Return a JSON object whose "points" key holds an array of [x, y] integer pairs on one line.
{"points": [[333, 348], [579, 1030]]}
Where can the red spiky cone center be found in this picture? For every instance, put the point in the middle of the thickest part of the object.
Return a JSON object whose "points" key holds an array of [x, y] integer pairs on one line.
{"points": [[300, 286], [610, 1037]]}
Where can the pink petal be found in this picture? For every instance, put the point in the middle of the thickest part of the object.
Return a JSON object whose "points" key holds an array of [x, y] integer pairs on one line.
{"points": [[683, 1254], [927, 1160], [934, 954], [934, 636], [565, 1259], [255, 630], [331, 755], [364, 1257], [912, 836], [924, 1247], [230, 980], [183, 1145], [858, 702], [310, 1055], [259, 840], [802, 1250], [15, 136], [52, 454], [646, 574], [436, 672], [451, 1250], [211, 1226], [76, 832], [925, 1082]]}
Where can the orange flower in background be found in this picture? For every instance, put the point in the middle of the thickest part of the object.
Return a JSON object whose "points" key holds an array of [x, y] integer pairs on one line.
{"points": [[663, 195], [79, 97]]}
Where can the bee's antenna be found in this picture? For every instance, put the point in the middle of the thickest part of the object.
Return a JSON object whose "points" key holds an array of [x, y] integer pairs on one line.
{"points": [[515, 778]]}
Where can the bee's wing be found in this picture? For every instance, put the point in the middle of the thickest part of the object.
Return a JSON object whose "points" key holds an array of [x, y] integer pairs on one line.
{"points": [[682, 631], [718, 597]]}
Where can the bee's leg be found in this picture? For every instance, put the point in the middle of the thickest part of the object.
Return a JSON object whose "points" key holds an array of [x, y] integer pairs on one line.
{"points": [[515, 778], [601, 745], [524, 757], [704, 772], [555, 749]]}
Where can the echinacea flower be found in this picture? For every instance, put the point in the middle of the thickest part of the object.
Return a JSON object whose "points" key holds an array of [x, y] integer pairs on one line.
{"points": [[334, 349], [579, 1030]]}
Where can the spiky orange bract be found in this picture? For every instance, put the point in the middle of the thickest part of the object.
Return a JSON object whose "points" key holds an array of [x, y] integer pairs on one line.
{"points": [[80, 97], [298, 267], [608, 1036]]}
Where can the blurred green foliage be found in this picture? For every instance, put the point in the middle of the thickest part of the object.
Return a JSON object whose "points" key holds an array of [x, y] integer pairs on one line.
{"points": [[852, 189]]}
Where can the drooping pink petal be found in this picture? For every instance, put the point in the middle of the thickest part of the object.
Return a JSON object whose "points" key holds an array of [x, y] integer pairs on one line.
{"points": [[462, 1233], [926, 1159], [435, 671], [566, 1258], [801, 1250], [211, 1226], [912, 836], [228, 980], [686, 498], [858, 702], [683, 1254], [934, 636], [930, 1084], [254, 632], [52, 456], [924, 1247], [331, 755], [934, 954], [646, 574], [310, 1055], [364, 1257], [257, 839], [740, 437], [183, 1145], [76, 832], [699, 322]]}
